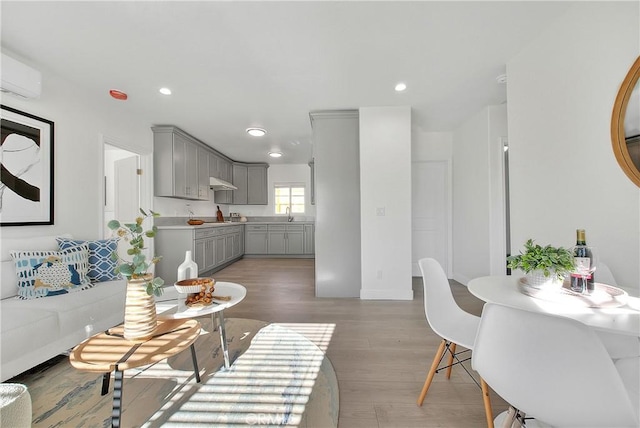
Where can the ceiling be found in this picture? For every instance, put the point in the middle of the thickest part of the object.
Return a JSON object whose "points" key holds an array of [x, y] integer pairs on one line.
{"points": [[233, 65]]}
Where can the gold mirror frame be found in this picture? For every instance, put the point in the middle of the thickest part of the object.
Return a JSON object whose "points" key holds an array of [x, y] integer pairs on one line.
{"points": [[617, 124]]}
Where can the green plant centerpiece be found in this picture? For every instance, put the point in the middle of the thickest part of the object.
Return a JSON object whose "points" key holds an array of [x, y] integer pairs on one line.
{"points": [[137, 267], [552, 263]]}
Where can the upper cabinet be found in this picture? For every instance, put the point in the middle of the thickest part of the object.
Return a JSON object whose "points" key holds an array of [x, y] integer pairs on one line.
{"points": [[240, 181], [257, 190], [251, 181], [182, 167], [175, 165]]}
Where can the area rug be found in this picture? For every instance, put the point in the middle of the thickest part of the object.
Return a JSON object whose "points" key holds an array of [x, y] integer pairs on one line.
{"points": [[279, 377]]}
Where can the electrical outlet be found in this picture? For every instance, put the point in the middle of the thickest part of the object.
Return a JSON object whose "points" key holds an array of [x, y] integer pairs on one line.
{"points": [[380, 211], [379, 274]]}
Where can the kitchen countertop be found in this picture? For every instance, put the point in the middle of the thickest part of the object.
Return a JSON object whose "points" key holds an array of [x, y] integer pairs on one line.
{"points": [[227, 223]]}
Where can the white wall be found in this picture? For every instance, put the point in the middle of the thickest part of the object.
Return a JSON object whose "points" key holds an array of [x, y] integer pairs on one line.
{"points": [[471, 199], [385, 202], [564, 176], [80, 122], [431, 146]]}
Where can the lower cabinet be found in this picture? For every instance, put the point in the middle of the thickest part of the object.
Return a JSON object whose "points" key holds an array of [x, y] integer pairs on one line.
{"points": [[212, 247], [279, 239], [309, 239], [256, 239]]}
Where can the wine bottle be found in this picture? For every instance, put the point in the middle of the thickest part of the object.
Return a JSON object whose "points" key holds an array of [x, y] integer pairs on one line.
{"points": [[582, 257]]}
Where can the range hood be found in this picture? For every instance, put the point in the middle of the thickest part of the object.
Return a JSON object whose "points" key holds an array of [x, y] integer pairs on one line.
{"points": [[217, 184]]}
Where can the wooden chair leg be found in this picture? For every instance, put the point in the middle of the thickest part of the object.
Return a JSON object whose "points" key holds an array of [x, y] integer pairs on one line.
{"points": [[452, 349], [487, 403], [432, 371]]}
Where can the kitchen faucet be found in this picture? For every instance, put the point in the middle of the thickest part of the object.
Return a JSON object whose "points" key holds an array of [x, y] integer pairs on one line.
{"points": [[289, 217]]}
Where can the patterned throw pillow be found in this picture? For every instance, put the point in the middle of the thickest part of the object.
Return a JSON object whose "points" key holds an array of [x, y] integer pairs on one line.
{"points": [[101, 266], [49, 273]]}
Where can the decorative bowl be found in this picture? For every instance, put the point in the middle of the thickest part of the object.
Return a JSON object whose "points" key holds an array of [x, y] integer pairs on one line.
{"points": [[195, 285], [194, 222]]}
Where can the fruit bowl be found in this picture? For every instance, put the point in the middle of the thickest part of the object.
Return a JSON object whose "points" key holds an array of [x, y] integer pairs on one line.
{"points": [[195, 285]]}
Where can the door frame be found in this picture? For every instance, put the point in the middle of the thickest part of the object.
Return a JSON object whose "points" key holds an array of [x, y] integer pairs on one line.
{"points": [[145, 183]]}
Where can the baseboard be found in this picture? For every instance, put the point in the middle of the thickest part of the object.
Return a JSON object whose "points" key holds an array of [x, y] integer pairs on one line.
{"points": [[385, 294], [461, 279]]}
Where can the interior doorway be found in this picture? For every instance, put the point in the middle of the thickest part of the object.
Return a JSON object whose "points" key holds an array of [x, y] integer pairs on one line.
{"points": [[121, 186], [430, 214]]}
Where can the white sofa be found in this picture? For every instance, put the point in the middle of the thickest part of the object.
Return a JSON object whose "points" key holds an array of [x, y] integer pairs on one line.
{"points": [[33, 331]]}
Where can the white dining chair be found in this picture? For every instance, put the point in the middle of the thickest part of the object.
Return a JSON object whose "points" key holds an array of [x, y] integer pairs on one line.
{"points": [[555, 369], [617, 345], [455, 326]]}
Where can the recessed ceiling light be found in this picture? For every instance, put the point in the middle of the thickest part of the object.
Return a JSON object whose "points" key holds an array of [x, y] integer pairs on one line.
{"points": [[502, 79], [256, 132], [118, 95], [275, 154], [400, 87], [165, 91]]}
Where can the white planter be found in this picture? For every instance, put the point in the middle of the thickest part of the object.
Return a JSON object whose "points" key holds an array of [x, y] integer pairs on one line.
{"points": [[537, 279]]}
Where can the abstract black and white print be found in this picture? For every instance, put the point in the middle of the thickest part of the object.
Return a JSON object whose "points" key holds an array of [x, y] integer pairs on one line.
{"points": [[26, 169]]}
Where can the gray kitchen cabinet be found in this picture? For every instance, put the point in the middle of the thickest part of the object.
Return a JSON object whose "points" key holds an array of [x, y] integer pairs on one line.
{"points": [[286, 239], [219, 248], [224, 173], [309, 236], [279, 239], [277, 242], [203, 174], [213, 165], [256, 239], [240, 181], [175, 163], [212, 248], [251, 181], [295, 238], [257, 185]]}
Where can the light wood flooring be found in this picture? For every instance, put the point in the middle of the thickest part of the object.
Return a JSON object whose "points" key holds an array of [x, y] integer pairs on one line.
{"points": [[380, 350]]}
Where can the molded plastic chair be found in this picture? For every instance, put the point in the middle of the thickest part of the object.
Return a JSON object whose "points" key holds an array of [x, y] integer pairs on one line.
{"points": [[449, 321], [618, 345], [555, 369]]}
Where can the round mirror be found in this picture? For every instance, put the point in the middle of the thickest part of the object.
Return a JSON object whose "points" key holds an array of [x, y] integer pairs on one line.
{"points": [[625, 124]]}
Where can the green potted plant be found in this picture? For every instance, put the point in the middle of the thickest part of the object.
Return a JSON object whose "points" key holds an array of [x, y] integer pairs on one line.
{"points": [[140, 320], [543, 265], [137, 267]]}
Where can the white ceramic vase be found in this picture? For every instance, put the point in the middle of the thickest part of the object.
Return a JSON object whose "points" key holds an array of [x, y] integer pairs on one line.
{"points": [[188, 269]]}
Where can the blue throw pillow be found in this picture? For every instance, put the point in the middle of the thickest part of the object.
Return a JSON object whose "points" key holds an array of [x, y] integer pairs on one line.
{"points": [[50, 273], [101, 266]]}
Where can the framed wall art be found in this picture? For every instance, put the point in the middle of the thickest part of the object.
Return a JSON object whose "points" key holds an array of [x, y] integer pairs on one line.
{"points": [[26, 174]]}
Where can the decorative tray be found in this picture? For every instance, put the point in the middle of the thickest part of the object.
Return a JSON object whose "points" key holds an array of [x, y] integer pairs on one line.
{"points": [[603, 296]]}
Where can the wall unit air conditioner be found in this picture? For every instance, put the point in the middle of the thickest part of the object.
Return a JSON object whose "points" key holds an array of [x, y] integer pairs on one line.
{"points": [[19, 79]]}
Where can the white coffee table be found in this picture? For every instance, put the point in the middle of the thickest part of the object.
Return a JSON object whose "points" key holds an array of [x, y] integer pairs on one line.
{"points": [[171, 305]]}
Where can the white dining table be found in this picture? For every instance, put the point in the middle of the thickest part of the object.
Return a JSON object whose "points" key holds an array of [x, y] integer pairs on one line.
{"points": [[504, 290]]}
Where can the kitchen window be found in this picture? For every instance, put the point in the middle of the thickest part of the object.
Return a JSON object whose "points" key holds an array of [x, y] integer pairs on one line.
{"points": [[289, 196]]}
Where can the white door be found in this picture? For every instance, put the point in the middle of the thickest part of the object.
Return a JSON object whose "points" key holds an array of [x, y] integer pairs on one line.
{"points": [[126, 188], [430, 213]]}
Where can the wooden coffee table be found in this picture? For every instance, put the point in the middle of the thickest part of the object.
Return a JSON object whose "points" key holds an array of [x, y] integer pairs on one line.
{"points": [[110, 352]]}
